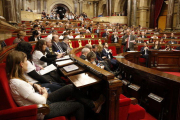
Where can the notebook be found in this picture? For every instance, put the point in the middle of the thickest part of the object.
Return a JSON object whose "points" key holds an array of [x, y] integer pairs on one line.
{"points": [[60, 63], [63, 58], [47, 69], [70, 68]]}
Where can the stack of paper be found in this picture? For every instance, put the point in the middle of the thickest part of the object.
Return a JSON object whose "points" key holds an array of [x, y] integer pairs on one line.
{"points": [[47, 69], [60, 63], [70, 68], [63, 58]]}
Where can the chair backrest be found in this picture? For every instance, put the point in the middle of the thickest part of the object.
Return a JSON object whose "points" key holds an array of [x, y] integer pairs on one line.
{"points": [[6, 100]]}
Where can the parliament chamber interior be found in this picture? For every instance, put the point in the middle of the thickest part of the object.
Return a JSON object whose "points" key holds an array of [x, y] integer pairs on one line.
{"points": [[90, 60]]}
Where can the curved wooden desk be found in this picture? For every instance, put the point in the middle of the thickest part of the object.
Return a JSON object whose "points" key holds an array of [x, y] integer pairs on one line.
{"points": [[156, 91]]}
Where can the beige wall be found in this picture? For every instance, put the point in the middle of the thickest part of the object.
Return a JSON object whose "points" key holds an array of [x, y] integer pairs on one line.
{"points": [[88, 8], [112, 19], [1, 8]]}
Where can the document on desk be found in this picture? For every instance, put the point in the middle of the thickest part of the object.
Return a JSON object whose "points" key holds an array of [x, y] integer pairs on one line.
{"points": [[63, 58], [70, 68], [60, 63], [47, 69]]}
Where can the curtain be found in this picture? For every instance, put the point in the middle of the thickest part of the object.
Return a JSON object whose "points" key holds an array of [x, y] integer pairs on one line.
{"points": [[158, 7]]}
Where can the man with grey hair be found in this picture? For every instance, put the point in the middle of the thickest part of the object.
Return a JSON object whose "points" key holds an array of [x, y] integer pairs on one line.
{"points": [[84, 52], [88, 46], [56, 47]]}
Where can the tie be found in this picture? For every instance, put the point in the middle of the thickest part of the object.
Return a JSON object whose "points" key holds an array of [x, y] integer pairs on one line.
{"points": [[50, 50], [127, 44]]}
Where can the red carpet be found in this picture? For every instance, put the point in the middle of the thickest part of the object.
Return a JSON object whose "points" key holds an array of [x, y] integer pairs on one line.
{"points": [[149, 117], [174, 73]]}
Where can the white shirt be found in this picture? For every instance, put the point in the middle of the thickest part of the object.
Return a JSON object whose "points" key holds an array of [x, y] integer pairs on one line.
{"points": [[61, 37], [37, 55], [24, 94], [49, 36], [30, 68], [70, 37], [78, 36]]}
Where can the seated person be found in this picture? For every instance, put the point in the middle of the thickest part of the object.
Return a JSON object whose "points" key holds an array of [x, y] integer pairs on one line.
{"points": [[156, 45], [168, 47], [142, 35], [65, 46], [165, 36], [80, 36], [144, 52], [54, 32], [150, 41], [97, 31], [172, 36], [84, 52], [139, 40], [23, 92], [35, 36], [20, 37], [161, 41], [115, 38], [154, 37], [56, 47], [88, 46], [172, 42], [43, 31], [32, 73], [71, 35], [105, 35], [40, 56], [107, 54]]}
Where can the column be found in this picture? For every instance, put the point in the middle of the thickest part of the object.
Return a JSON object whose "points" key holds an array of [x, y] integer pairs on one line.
{"points": [[44, 5], [108, 6], [80, 6], [38, 6], [143, 13], [95, 8], [129, 13], [178, 17], [75, 6], [18, 11], [9, 11], [169, 20], [24, 7], [134, 12]]}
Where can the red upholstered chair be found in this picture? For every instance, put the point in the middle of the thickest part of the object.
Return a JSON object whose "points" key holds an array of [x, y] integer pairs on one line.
{"points": [[113, 48], [78, 54], [72, 43], [136, 112], [26, 38], [109, 38], [124, 104], [8, 108], [89, 42], [9, 41], [77, 42]]}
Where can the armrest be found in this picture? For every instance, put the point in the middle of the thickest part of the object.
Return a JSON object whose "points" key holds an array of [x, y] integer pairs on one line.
{"points": [[24, 111], [19, 112], [134, 101]]}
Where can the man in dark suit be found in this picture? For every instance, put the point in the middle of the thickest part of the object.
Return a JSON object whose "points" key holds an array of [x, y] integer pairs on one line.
{"points": [[97, 31], [35, 36], [128, 41], [115, 38], [172, 42], [65, 46], [144, 52], [84, 52], [164, 36], [56, 44], [105, 35], [90, 28], [142, 35], [107, 54]]}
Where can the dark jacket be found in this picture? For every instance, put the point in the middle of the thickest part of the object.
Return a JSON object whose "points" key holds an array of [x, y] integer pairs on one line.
{"points": [[141, 36], [104, 34], [33, 39], [143, 51], [113, 39], [56, 47], [90, 29], [64, 46], [174, 42], [104, 53], [83, 57]]}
